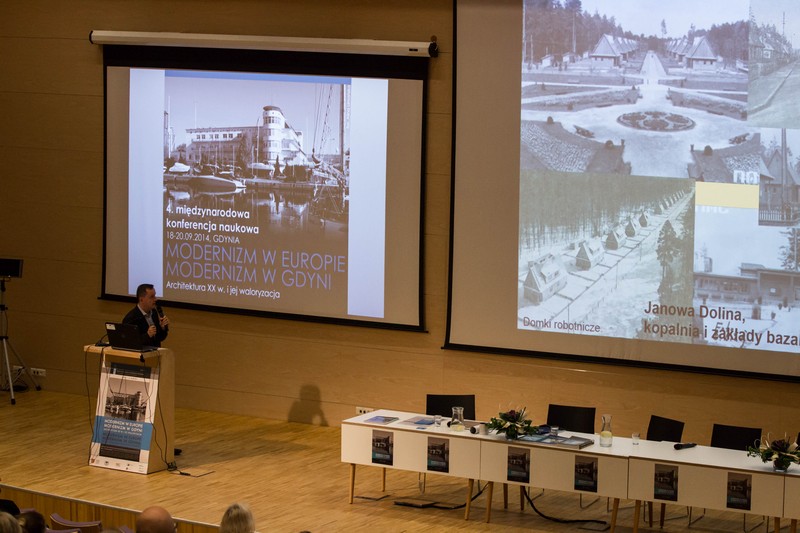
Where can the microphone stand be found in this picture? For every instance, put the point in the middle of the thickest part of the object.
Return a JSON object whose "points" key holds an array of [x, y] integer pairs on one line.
{"points": [[22, 368]]}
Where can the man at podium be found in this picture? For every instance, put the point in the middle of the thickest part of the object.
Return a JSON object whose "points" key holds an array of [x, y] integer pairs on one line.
{"points": [[153, 325], [148, 317]]}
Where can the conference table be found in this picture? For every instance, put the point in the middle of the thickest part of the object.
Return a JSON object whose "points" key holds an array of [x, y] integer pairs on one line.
{"points": [[709, 478], [650, 471]]}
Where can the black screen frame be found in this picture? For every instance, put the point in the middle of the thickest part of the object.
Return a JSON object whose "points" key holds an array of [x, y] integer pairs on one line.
{"points": [[279, 62]]}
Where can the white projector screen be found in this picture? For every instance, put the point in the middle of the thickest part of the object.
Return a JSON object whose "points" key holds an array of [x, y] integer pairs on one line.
{"points": [[627, 183], [251, 186]]}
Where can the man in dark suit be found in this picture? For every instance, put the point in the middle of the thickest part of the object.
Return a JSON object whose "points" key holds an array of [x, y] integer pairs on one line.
{"points": [[152, 324], [147, 317]]}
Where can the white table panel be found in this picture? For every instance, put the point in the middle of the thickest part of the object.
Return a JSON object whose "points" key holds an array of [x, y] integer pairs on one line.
{"points": [[703, 477], [410, 445], [791, 494], [554, 468]]}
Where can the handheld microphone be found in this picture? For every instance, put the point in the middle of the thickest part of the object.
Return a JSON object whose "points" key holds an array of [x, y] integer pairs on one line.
{"points": [[161, 315], [684, 445]]}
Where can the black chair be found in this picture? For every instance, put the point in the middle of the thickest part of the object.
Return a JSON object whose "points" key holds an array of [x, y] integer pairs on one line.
{"points": [[571, 418], [667, 429], [442, 404], [663, 429], [734, 437]]}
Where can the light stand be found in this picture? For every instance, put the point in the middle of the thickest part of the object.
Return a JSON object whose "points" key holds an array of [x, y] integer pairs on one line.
{"points": [[23, 369]]}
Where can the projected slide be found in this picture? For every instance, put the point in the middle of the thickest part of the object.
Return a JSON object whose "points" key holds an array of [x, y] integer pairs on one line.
{"points": [[284, 237], [266, 192], [642, 171], [636, 167]]}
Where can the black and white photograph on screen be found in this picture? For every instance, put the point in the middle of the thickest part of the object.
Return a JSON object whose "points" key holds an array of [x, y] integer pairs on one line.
{"points": [[276, 146], [632, 86], [774, 79], [596, 252], [778, 177], [746, 296]]}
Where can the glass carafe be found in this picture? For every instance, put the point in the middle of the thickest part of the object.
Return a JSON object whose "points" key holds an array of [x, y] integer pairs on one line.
{"points": [[457, 422], [606, 436]]}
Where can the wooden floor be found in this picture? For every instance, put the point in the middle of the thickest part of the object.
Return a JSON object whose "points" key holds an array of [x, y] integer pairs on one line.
{"points": [[290, 474]]}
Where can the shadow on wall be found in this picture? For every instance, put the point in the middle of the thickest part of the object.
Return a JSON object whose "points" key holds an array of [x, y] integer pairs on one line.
{"points": [[308, 408]]}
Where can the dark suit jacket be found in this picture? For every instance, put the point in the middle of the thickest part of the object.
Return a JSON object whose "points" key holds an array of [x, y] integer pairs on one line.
{"points": [[136, 317]]}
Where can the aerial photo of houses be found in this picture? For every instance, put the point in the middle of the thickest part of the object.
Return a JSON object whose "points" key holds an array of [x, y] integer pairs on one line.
{"points": [[642, 172]]}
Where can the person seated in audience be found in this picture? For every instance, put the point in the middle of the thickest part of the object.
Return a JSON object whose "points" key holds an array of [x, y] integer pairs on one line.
{"points": [[32, 522], [9, 524], [237, 519], [8, 506], [155, 519]]}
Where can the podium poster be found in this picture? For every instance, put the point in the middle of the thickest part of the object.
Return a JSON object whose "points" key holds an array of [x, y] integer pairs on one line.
{"points": [[438, 454], [740, 487], [586, 473], [519, 465], [382, 447], [123, 428], [665, 485]]}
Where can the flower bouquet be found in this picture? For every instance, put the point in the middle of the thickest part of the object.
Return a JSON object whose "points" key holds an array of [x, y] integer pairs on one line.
{"points": [[781, 452], [512, 424]]}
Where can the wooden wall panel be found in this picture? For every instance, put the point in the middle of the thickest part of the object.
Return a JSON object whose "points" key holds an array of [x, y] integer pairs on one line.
{"points": [[56, 121], [51, 143], [62, 177], [64, 66]]}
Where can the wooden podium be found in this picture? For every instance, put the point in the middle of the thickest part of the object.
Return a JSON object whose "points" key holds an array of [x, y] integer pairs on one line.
{"points": [[134, 428]]}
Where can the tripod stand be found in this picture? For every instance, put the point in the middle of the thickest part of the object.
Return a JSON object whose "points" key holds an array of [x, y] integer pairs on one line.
{"points": [[22, 368]]}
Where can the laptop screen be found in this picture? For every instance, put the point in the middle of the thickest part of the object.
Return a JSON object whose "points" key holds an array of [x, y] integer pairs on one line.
{"points": [[126, 337]]}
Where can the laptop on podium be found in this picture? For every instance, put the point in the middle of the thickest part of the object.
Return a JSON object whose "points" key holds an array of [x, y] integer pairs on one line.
{"points": [[126, 337]]}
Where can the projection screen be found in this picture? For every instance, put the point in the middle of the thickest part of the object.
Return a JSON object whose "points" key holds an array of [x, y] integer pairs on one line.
{"points": [[626, 183], [266, 182]]}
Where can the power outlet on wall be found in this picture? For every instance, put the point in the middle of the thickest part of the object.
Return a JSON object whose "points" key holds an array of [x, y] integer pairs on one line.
{"points": [[363, 410], [39, 372]]}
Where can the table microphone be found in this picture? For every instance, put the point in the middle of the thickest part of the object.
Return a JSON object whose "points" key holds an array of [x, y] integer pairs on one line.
{"points": [[684, 445]]}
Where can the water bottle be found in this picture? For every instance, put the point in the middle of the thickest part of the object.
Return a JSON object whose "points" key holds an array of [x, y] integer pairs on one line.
{"points": [[457, 422], [605, 431]]}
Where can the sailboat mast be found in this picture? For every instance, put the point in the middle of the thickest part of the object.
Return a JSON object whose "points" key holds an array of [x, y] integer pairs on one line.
{"points": [[341, 126]]}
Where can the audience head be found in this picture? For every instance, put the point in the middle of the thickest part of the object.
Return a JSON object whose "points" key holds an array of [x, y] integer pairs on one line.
{"points": [[237, 519], [8, 506], [31, 522], [155, 519], [9, 524]]}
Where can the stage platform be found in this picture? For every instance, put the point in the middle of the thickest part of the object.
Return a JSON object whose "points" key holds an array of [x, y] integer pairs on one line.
{"points": [[290, 474]]}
